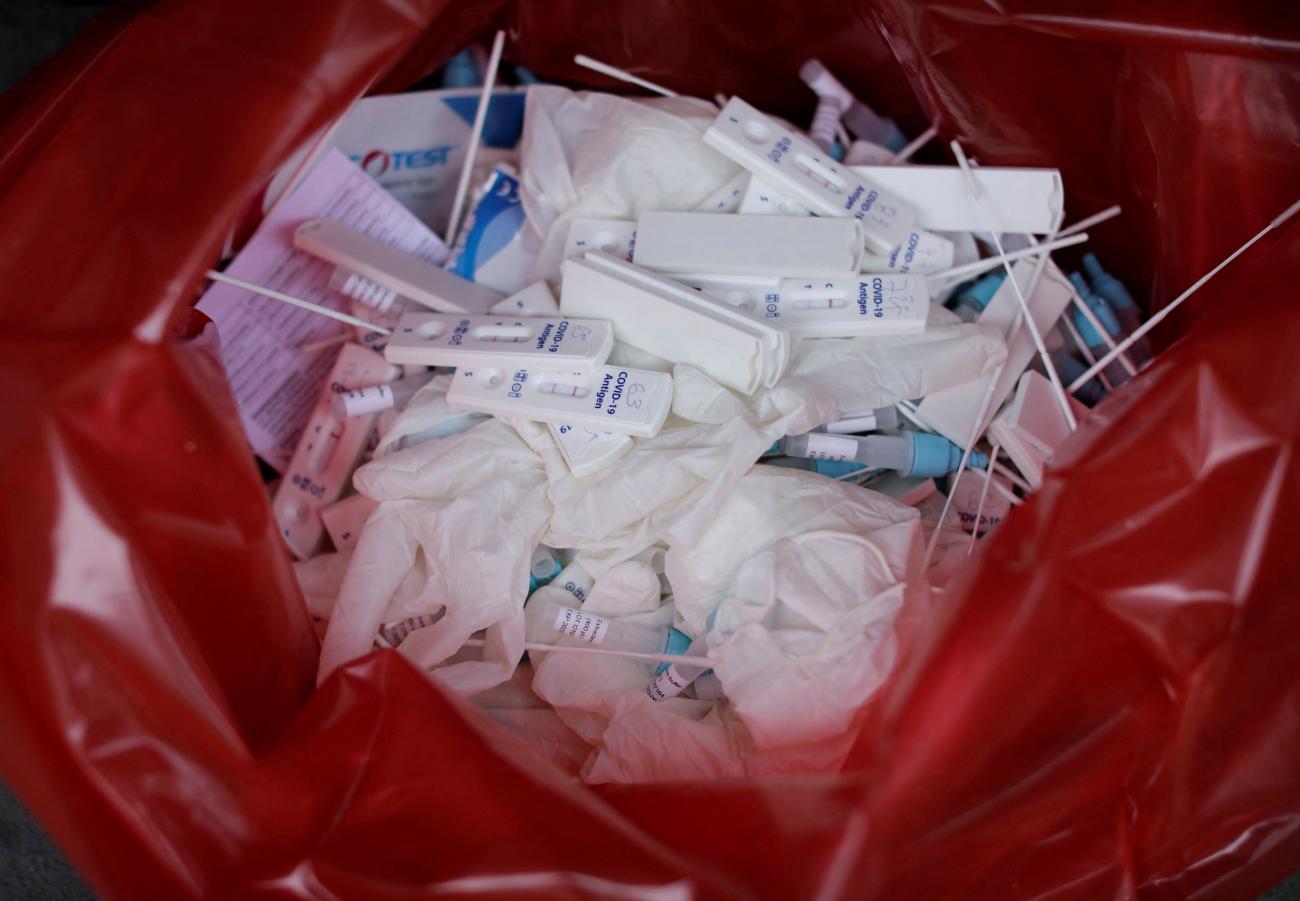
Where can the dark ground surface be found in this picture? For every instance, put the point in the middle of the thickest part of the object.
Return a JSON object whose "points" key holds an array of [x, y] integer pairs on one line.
{"points": [[31, 866]]}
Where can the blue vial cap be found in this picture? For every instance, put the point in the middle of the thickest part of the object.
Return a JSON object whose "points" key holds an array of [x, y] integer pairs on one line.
{"points": [[981, 292], [1069, 367], [526, 76], [774, 450], [935, 455], [896, 140], [1105, 284], [678, 643], [1105, 315], [837, 150], [1080, 285], [460, 71]]}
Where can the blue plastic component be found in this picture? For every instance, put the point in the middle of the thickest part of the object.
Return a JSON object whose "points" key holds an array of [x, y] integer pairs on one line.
{"points": [[1069, 367], [896, 140], [837, 151], [774, 450], [1105, 315], [678, 643], [836, 468], [1111, 289], [978, 294], [505, 115], [935, 455], [535, 583], [526, 76], [461, 72]]}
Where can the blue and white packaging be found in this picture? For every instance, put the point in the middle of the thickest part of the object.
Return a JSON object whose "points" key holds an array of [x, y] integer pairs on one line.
{"points": [[415, 144], [496, 246]]}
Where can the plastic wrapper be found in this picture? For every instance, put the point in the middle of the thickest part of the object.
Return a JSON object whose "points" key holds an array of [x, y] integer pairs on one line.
{"points": [[1102, 705]]}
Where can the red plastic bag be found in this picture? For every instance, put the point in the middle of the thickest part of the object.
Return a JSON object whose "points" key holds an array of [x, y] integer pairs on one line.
{"points": [[1104, 706]]}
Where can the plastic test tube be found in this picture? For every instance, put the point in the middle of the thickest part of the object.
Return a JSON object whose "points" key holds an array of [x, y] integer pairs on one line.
{"points": [[673, 678], [376, 398], [543, 568], [860, 119], [547, 622], [911, 453]]}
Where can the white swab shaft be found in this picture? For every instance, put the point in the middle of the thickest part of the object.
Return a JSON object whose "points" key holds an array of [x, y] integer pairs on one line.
{"points": [[984, 494], [991, 263], [976, 429], [1096, 219], [1083, 349], [1062, 398], [295, 301], [1013, 478], [910, 150], [475, 137], [1099, 329], [606, 69], [1140, 332]]}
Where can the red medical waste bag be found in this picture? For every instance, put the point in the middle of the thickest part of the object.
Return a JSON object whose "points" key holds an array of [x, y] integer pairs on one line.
{"points": [[1105, 705]]}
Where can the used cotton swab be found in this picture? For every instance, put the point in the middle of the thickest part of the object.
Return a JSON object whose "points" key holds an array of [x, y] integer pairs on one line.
{"points": [[1096, 219], [476, 136], [295, 301], [984, 494], [1141, 331], [606, 69], [910, 150], [1100, 329], [978, 193], [984, 265], [1083, 349]]}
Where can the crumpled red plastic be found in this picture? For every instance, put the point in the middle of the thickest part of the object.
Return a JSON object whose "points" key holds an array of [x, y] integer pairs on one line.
{"points": [[1104, 705]]}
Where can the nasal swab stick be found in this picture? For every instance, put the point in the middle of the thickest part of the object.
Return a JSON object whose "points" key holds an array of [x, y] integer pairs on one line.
{"points": [[979, 511], [1008, 494], [910, 414], [1098, 328], [1083, 349], [312, 347], [994, 262], [910, 150], [965, 459], [841, 134], [1096, 219], [295, 301], [1062, 398], [476, 136], [1011, 477], [977, 427], [606, 69], [1141, 331]]}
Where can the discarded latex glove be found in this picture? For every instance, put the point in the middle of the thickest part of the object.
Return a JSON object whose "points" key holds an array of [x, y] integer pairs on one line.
{"points": [[586, 154], [585, 689], [806, 575], [626, 589], [445, 506], [668, 487]]}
